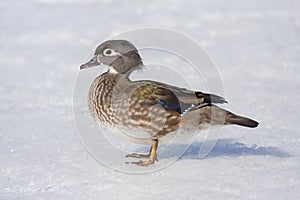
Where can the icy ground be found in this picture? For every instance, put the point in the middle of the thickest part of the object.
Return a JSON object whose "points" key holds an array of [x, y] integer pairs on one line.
{"points": [[254, 43]]}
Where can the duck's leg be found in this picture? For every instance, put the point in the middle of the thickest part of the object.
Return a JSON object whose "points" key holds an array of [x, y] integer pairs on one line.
{"points": [[152, 155]]}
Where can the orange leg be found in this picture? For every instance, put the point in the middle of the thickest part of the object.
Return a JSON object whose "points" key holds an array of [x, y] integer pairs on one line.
{"points": [[152, 155]]}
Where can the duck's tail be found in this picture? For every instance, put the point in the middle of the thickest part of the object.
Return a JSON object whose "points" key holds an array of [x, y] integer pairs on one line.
{"points": [[240, 120], [217, 116]]}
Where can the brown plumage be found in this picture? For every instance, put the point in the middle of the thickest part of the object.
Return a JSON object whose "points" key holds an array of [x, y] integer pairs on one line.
{"points": [[149, 111]]}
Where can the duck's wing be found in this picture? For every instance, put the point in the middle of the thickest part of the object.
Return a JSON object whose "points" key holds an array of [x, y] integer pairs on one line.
{"points": [[149, 94], [188, 96], [174, 98], [158, 107]]}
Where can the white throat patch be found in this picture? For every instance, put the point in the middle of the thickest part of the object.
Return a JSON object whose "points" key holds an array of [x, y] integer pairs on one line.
{"points": [[112, 70]]}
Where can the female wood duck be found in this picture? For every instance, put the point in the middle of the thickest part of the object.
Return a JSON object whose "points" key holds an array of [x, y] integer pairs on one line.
{"points": [[148, 112]]}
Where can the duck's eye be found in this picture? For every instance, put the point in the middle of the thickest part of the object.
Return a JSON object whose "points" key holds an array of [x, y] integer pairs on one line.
{"points": [[107, 52], [110, 52]]}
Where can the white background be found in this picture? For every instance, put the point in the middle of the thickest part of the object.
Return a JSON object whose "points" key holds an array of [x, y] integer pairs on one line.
{"points": [[255, 45]]}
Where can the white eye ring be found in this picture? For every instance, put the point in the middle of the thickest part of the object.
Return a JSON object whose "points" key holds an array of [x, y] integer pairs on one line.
{"points": [[110, 52]]}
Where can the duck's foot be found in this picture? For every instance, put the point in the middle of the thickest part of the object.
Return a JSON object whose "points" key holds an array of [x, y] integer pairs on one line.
{"points": [[151, 156], [142, 163], [135, 155]]}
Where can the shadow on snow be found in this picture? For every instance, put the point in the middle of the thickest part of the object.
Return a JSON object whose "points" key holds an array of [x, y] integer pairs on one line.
{"points": [[223, 147]]}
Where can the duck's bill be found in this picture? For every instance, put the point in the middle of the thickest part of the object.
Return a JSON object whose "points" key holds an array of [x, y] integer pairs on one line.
{"points": [[92, 63]]}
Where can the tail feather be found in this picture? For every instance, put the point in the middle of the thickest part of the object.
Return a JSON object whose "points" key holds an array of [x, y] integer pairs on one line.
{"points": [[218, 116], [239, 120]]}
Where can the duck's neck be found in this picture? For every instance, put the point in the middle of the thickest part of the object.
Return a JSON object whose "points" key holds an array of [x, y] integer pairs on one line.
{"points": [[113, 76], [126, 73]]}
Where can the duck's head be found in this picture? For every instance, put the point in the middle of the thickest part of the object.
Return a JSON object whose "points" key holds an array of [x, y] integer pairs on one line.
{"points": [[120, 55]]}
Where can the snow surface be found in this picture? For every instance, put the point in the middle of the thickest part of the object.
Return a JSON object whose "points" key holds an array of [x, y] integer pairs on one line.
{"points": [[255, 45]]}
